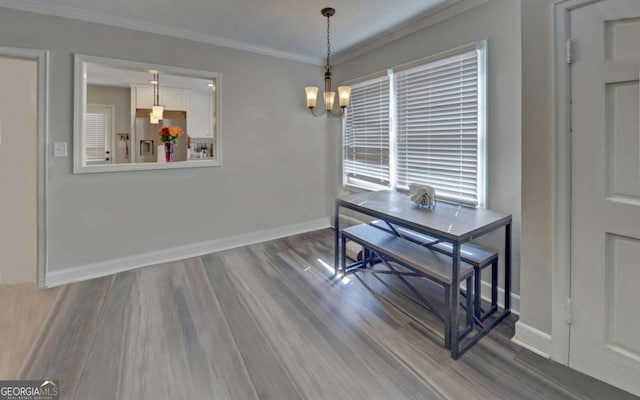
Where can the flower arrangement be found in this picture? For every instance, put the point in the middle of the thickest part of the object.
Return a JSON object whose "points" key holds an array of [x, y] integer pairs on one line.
{"points": [[170, 134]]}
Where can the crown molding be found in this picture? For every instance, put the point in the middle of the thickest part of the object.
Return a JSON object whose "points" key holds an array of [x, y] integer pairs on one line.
{"points": [[450, 9], [42, 7]]}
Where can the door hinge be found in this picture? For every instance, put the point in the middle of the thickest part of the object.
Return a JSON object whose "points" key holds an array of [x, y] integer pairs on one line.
{"points": [[569, 311], [569, 51]]}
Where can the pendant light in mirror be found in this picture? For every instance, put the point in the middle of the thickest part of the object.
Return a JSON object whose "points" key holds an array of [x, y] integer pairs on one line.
{"points": [[157, 110]]}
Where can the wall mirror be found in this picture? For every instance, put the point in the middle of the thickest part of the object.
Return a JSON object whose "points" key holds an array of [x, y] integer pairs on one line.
{"points": [[137, 116]]}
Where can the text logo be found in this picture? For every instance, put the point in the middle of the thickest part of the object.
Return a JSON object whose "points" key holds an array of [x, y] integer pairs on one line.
{"points": [[29, 390]]}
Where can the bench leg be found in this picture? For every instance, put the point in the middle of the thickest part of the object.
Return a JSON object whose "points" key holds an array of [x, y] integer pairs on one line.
{"points": [[494, 284], [479, 313], [447, 325], [477, 290], [343, 255], [336, 249], [471, 310]]}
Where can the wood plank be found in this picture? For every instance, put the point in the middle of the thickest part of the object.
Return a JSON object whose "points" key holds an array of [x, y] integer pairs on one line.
{"points": [[267, 373], [161, 333], [61, 350], [17, 332]]}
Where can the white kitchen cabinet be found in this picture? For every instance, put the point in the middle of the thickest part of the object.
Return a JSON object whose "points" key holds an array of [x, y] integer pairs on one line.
{"points": [[172, 99], [200, 117]]}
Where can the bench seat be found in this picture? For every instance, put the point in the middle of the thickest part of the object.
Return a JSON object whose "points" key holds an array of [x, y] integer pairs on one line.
{"points": [[407, 253], [477, 256], [422, 261], [469, 252]]}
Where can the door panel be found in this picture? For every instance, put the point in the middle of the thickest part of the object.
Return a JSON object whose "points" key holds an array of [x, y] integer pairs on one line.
{"points": [[622, 129], [621, 301], [605, 232]]}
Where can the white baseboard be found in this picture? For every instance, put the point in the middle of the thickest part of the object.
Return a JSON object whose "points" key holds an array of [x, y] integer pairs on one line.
{"points": [[104, 268], [533, 340], [485, 291]]}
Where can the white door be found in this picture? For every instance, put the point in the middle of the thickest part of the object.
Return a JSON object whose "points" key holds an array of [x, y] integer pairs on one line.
{"points": [[98, 134], [18, 125], [605, 234]]}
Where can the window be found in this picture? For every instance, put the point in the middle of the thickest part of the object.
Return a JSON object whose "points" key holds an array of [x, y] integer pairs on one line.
{"points": [[366, 133], [436, 137]]}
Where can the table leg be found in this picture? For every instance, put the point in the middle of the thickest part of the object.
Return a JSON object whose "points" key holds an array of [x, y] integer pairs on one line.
{"points": [[336, 225], [455, 299], [507, 267]]}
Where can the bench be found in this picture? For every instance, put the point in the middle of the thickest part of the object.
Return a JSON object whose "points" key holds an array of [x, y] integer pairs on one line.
{"points": [[478, 256], [416, 258]]}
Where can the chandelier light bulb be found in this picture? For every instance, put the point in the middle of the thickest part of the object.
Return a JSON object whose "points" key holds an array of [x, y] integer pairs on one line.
{"points": [[312, 95], [344, 94], [329, 99]]}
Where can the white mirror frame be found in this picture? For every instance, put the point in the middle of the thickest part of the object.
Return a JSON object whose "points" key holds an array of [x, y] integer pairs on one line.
{"points": [[80, 100]]}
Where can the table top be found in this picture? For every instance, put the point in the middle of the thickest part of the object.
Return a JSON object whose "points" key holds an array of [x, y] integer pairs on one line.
{"points": [[449, 221]]}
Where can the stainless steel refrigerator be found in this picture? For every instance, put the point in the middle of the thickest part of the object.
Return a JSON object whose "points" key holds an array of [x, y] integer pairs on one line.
{"points": [[148, 140]]}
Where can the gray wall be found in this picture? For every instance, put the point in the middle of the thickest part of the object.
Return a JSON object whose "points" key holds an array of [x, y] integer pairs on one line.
{"points": [[537, 163], [499, 22], [274, 153]]}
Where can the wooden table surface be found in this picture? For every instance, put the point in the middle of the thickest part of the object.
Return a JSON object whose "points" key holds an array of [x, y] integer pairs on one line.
{"points": [[448, 221]]}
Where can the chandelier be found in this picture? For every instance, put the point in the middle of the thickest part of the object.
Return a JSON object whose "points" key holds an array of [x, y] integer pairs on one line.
{"points": [[157, 110], [344, 92]]}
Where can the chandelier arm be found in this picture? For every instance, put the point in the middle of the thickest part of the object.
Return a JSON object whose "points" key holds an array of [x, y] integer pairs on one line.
{"points": [[339, 114], [313, 112]]}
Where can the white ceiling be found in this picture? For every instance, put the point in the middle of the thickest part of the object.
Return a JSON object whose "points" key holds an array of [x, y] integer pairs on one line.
{"points": [[289, 28]]}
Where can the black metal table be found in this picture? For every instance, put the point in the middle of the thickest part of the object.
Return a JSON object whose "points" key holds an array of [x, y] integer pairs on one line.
{"points": [[447, 222]]}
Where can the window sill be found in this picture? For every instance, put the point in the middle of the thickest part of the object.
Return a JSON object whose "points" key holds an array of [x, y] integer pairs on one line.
{"points": [[89, 169], [363, 186]]}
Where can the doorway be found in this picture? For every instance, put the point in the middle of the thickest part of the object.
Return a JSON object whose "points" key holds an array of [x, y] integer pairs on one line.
{"points": [[23, 159], [605, 192]]}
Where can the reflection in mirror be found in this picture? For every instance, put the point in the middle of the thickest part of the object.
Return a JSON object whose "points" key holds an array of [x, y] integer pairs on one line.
{"points": [[121, 106]]}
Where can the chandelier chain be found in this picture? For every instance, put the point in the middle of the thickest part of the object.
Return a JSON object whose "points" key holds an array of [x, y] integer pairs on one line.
{"points": [[328, 67]]}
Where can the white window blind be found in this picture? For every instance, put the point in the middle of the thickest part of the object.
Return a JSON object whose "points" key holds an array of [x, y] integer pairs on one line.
{"points": [[437, 127], [366, 133], [96, 131]]}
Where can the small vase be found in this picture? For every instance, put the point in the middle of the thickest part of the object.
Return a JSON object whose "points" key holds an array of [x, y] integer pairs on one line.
{"points": [[168, 152]]}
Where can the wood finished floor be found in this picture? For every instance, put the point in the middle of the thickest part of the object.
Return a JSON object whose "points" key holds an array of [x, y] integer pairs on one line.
{"points": [[266, 321]]}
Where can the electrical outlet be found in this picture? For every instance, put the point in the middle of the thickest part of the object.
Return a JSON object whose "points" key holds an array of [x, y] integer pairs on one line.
{"points": [[60, 149]]}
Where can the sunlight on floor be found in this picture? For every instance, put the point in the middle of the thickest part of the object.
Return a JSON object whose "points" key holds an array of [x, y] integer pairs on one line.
{"points": [[345, 280]]}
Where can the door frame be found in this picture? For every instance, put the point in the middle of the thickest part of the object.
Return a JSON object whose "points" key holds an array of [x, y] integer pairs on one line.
{"points": [[110, 134], [41, 57], [562, 173]]}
